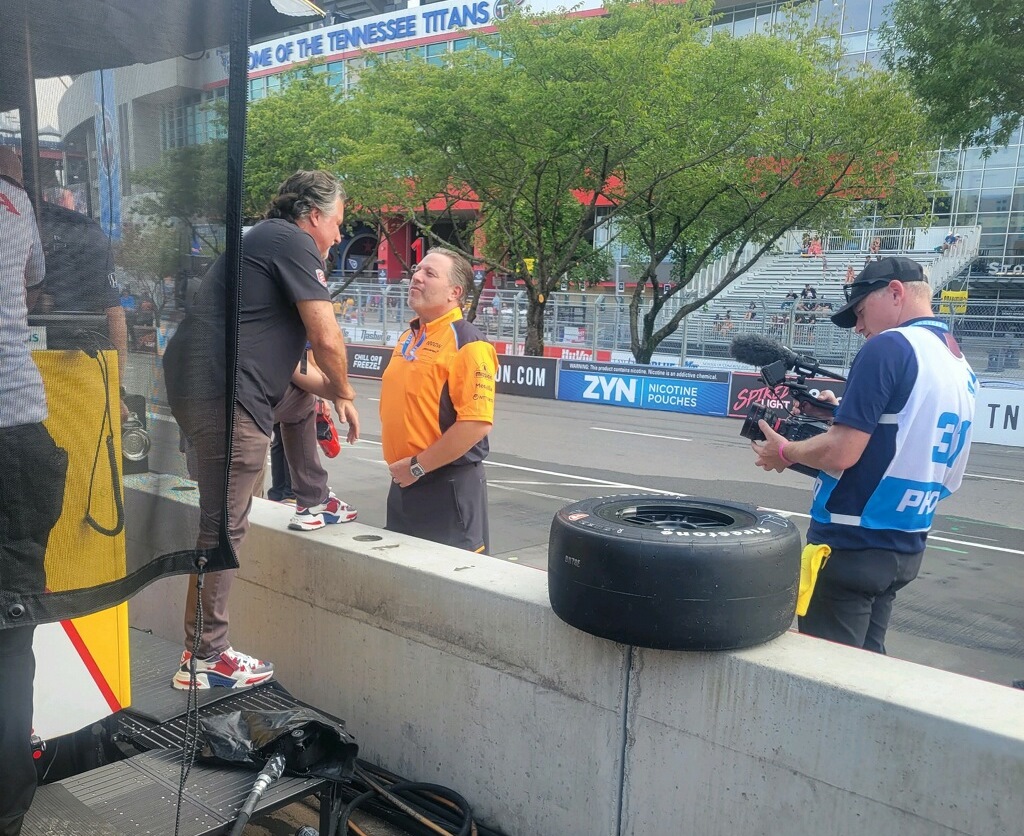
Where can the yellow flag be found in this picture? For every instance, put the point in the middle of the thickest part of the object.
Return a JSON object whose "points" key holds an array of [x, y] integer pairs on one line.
{"points": [[811, 560]]}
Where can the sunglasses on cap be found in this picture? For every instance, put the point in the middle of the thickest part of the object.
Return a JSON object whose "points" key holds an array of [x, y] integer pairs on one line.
{"points": [[859, 289]]}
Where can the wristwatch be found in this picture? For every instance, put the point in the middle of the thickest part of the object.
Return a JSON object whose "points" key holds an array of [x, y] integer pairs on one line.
{"points": [[416, 469]]}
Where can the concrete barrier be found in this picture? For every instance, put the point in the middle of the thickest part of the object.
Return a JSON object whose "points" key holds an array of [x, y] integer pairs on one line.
{"points": [[450, 667]]}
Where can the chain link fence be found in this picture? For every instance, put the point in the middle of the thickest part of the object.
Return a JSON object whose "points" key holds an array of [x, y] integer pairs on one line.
{"points": [[991, 333]]}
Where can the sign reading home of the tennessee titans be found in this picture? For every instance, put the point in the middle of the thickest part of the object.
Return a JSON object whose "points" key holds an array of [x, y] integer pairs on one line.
{"points": [[402, 27], [645, 387]]}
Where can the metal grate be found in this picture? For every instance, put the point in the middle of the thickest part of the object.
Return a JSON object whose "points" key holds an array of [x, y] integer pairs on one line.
{"points": [[138, 797]]}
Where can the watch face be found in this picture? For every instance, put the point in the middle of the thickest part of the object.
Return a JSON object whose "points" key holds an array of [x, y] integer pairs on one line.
{"points": [[416, 470]]}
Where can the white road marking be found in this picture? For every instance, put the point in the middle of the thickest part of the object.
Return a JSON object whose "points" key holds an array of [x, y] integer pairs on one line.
{"points": [[993, 478], [785, 513], [502, 487], [935, 531], [644, 435], [585, 481], [549, 484]]}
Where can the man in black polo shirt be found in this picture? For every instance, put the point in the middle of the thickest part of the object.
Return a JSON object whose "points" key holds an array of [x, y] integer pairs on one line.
{"points": [[284, 302]]}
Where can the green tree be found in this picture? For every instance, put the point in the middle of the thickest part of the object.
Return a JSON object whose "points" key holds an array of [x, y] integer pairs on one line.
{"points": [[149, 253], [188, 186], [781, 141], [638, 117], [296, 128], [963, 60]]}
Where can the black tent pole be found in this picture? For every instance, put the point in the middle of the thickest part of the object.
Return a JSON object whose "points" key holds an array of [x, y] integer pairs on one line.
{"points": [[28, 118]]}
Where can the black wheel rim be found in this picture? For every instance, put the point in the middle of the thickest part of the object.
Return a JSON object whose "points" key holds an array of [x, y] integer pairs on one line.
{"points": [[673, 515]]}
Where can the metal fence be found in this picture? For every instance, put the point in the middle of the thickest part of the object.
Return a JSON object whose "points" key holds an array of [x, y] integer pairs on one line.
{"points": [[992, 333]]}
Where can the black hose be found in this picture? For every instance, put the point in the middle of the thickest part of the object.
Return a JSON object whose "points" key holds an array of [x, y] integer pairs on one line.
{"points": [[272, 770]]}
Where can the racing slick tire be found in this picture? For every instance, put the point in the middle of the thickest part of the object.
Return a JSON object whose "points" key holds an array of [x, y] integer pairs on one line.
{"points": [[674, 572]]}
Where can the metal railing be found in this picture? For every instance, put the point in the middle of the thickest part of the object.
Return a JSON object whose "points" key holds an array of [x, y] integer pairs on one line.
{"points": [[597, 324]]}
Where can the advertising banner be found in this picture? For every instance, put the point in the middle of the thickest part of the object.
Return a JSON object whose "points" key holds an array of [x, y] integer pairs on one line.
{"points": [[531, 376], [645, 387], [108, 154], [558, 352], [999, 416], [368, 361], [747, 389]]}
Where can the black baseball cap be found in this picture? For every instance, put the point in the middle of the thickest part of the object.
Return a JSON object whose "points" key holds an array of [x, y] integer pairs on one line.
{"points": [[872, 277]]}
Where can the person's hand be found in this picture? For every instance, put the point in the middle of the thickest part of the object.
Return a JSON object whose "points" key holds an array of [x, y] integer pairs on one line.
{"points": [[820, 412], [767, 451], [348, 414], [401, 475]]}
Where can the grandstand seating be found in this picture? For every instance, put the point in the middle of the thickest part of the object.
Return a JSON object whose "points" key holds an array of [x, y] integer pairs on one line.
{"points": [[766, 285]]}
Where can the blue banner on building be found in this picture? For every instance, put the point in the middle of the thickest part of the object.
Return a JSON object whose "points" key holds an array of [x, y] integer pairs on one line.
{"points": [[108, 154], [645, 387]]}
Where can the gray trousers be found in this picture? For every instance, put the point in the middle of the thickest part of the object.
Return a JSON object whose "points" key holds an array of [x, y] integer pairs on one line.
{"points": [[296, 415], [203, 423]]}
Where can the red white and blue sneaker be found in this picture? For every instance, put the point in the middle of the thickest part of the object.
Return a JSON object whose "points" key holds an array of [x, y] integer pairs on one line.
{"points": [[228, 669], [331, 510]]}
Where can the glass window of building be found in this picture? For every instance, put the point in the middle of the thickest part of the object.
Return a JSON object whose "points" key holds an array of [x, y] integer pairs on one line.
{"points": [[828, 13], [855, 44], [856, 15], [1002, 157], [336, 73], [436, 53], [764, 18], [743, 22], [353, 67]]}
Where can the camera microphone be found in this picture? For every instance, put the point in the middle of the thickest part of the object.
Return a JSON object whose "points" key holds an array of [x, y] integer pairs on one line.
{"points": [[757, 350], [763, 351]]}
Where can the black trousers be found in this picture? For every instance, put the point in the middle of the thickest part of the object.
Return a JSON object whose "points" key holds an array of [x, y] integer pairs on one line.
{"points": [[853, 598], [32, 473], [447, 505]]}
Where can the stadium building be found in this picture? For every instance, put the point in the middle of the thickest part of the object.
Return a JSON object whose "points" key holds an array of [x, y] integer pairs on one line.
{"points": [[167, 105]]}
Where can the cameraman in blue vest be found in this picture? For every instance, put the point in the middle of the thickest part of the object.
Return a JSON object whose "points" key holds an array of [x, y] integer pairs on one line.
{"points": [[898, 444]]}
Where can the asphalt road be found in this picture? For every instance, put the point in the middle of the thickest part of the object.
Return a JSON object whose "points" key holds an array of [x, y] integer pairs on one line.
{"points": [[962, 614]]}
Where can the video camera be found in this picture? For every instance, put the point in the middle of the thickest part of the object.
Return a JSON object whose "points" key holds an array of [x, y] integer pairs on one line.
{"points": [[774, 361]]}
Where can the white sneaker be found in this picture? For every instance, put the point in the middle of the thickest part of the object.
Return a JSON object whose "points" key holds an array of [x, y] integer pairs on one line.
{"points": [[331, 510], [228, 669]]}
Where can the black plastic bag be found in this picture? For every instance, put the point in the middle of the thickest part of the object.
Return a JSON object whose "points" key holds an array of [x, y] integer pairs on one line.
{"points": [[311, 743]]}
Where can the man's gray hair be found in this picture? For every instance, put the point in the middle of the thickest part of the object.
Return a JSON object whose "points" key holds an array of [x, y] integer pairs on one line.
{"points": [[461, 273], [305, 191]]}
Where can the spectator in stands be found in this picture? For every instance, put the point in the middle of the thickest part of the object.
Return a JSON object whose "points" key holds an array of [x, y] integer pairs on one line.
{"points": [[950, 241], [805, 243], [850, 274], [727, 324], [874, 249], [788, 301], [808, 292], [751, 313]]}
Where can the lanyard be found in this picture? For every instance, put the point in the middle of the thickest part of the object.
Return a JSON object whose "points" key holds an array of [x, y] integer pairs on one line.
{"points": [[930, 323], [410, 353]]}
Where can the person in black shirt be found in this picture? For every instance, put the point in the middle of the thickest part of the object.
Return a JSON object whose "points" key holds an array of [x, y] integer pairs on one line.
{"points": [[284, 303]]}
